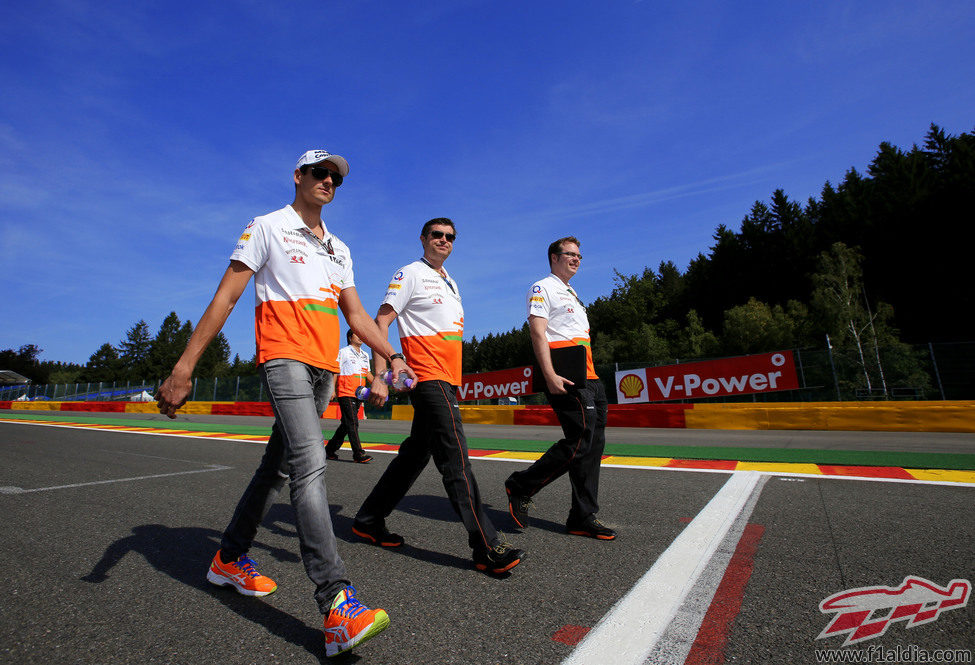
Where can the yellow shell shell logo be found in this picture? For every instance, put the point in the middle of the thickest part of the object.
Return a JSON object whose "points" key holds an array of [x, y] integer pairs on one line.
{"points": [[631, 386]]}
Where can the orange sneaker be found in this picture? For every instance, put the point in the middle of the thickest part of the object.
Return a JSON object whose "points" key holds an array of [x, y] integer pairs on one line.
{"points": [[350, 623], [241, 574]]}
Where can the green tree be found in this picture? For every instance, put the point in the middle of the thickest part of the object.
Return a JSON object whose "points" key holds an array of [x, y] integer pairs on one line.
{"points": [[215, 358], [243, 367], [166, 347], [103, 365], [24, 361], [755, 327], [837, 298], [134, 352], [694, 340]]}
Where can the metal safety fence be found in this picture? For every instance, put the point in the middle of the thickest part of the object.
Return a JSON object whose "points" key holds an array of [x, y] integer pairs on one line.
{"points": [[934, 371]]}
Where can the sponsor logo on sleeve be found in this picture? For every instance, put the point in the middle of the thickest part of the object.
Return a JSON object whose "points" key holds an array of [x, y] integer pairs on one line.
{"points": [[244, 237], [398, 276]]}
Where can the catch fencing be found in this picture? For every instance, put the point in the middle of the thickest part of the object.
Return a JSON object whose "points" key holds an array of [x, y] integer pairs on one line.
{"points": [[933, 371]]}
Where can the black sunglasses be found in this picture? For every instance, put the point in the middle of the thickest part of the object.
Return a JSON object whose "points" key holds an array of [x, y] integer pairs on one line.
{"points": [[437, 235], [320, 173]]}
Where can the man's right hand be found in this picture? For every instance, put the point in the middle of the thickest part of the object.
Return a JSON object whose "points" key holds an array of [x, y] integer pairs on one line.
{"points": [[378, 392], [399, 365], [172, 394], [557, 384]]}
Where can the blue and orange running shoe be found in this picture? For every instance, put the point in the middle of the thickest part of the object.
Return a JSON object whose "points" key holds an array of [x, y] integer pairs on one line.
{"points": [[241, 574], [350, 623]]}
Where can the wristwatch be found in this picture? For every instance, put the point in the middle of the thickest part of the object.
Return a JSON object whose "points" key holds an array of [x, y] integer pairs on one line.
{"points": [[395, 356]]}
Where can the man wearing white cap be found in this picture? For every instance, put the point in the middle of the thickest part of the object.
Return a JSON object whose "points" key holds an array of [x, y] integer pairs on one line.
{"points": [[302, 277]]}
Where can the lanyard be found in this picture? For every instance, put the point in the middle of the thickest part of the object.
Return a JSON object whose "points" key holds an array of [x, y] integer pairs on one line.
{"points": [[326, 244], [442, 276], [574, 295]]}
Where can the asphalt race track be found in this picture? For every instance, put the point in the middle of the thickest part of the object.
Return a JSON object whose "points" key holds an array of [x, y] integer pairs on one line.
{"points": [[107, 536]]}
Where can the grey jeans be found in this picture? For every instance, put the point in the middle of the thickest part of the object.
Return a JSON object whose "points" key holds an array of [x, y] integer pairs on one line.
{"points": [[299, 394]]}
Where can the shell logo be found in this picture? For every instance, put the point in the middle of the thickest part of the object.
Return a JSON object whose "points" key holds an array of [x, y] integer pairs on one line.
{"points": [[631, 386]]}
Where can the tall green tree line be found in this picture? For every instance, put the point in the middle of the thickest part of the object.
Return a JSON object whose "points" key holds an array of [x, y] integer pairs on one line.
{"points": [[841, 265], [138, 356]]}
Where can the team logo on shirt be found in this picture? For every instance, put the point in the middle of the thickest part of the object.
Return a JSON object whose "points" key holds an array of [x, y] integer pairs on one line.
{"points": [[437, 301], [297, 259], [537, 299], [244, 237], [395, 287], [398, 276], [536, 289]]}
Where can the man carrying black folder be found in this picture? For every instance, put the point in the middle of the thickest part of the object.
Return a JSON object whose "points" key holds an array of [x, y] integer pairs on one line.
{"points": [[560, 337]]}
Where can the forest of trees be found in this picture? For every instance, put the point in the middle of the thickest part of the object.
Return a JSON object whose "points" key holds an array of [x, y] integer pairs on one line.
{"points": [[138, 356], [876, 262]]}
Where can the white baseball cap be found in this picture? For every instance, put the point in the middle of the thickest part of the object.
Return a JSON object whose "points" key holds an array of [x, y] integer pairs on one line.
{"points": [[319, 156]]}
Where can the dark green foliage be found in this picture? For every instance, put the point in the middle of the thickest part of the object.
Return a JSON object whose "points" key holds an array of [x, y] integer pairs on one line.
{"points": [[888, 241], [134, 352], [104, 365], [903, 230], [24, 361]]}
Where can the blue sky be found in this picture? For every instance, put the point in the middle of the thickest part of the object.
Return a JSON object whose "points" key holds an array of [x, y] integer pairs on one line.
{"points": [[137, 139]]}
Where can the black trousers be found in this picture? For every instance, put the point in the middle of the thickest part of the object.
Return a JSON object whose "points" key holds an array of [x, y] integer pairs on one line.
{"points": [[437, 432], [582, 413], [349, 408]]}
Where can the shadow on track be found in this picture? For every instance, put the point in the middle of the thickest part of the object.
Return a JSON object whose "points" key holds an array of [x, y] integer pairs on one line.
{"points": [[183, 553]]}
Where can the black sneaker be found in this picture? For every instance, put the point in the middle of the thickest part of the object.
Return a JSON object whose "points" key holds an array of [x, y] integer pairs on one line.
{"points": [[591, 528], [331, 456], [498, 559], [377, 534], [365, 459], [518, 506]]}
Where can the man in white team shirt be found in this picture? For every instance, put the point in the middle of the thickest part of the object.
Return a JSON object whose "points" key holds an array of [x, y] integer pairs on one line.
{"points": [[302, 277], [353, 373], [556, 319], [425, 302]]}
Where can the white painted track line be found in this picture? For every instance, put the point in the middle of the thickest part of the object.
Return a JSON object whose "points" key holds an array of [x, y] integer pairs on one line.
{"points": [[633, 627]]}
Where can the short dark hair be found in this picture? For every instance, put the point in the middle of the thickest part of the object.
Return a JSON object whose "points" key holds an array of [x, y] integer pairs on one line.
{"points": [[437, 220], [348, 336], [556, 247]]}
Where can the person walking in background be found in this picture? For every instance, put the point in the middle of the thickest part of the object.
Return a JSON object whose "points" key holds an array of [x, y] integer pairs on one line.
{"points": [[425, 302], [557, 320], [353, 374], [302, 277]]}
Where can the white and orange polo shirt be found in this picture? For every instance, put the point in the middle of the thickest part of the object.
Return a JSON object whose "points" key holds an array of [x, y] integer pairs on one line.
{"points": [[552, 299], [430, 319], [353, 370], [297, 283]]}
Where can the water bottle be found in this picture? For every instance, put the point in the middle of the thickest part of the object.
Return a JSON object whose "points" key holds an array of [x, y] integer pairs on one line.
{"points": [[400, 382], [362, 394]]}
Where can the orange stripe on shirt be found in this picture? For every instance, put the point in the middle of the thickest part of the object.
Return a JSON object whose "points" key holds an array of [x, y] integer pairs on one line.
{"points": [[590, 368], [305, 330], [434, 358]]}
